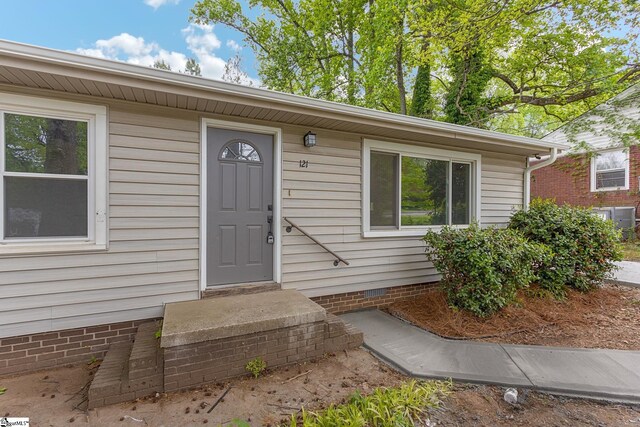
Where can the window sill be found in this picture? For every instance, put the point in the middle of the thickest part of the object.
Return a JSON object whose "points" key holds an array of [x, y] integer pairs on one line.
{"points": [[609, 189], [33, 249], [412, 232]]}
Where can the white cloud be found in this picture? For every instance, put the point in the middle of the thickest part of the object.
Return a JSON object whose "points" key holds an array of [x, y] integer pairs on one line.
{"points": [[157, 3], [127, 44], [232, 44], [201, 42]]}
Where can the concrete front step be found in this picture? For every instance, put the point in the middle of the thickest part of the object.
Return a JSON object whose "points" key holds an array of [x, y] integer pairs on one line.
{"points": [[192, 322], [129, 370], [213, 340]]}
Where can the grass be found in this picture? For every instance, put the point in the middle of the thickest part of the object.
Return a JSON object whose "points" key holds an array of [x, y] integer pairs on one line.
{"points": [[402, 406], [631, 251]]}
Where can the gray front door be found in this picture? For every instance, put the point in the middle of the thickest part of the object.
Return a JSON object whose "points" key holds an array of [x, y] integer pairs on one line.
{"points": [[239, 207]]}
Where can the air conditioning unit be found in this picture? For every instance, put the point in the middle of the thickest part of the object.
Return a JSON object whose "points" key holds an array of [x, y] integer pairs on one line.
{"points": [[623, 217]]}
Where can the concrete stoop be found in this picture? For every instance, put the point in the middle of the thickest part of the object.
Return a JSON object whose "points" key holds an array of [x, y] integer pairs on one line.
{"points": [[212, 340], [129, 370]]}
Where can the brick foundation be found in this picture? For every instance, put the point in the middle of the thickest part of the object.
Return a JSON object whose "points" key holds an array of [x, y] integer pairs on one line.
{"points": [[351, 301], [129, 370], [212, 361], [28, 353], [38, 351]]}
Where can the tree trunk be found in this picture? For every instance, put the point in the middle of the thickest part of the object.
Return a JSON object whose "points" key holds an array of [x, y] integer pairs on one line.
{"points": [[402, 92], [62, 147], [422, 100]]}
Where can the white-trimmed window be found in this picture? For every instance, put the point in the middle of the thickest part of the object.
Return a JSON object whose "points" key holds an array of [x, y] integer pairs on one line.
{"points": [[408, 189], [53, 175], [610, 171]]}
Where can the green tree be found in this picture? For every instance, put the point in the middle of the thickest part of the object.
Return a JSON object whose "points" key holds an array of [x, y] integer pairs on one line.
{"points": [[422, 99], [233, 71], [161, 65], [519, 65], [465, 98], [192, 67]]}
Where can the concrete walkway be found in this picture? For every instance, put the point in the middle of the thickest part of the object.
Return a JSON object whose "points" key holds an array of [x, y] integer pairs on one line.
{"points": [[628, 273], [598, 374]]}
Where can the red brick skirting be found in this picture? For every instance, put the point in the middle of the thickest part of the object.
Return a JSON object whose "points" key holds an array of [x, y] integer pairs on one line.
{"points": [[351, 301], [212, 361], [32, 352]]}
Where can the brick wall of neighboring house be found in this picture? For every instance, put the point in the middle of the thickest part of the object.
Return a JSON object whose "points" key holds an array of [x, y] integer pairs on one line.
{"points": [[38, 351], [342, 303], [568, 180]]}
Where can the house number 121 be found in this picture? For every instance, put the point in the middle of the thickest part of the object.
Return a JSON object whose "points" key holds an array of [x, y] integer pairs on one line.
{"points": [[304, 163]]}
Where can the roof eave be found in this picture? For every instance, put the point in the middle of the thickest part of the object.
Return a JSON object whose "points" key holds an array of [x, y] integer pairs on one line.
{"points": [[152, 75]]}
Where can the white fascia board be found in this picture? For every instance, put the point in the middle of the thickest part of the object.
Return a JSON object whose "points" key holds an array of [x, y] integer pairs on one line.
{"points": [[18, 50]]}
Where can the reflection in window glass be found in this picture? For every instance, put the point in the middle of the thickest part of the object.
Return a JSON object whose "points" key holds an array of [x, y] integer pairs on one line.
{"points": [[44, 145], [384, 189], [37, 207], [239, 150], [611, 169], [460, 193], [424, 191]]}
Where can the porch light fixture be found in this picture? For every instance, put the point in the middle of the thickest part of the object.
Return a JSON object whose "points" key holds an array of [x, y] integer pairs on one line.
{"points": [[309, 139]]}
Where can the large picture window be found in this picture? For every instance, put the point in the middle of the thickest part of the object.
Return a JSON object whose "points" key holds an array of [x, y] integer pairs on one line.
{"points": [[610, 171], [408, 189], [53, 177]]}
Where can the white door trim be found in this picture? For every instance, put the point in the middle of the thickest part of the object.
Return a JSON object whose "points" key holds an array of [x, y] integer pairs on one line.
{"points": [[277, 190]]}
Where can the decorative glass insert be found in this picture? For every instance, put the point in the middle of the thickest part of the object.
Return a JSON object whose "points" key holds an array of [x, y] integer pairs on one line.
{"points": [[240, 150], [611, 169]]}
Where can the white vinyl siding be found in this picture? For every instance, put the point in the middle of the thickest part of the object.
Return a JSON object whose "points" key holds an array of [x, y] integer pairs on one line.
{"points": [[154, 216], [326, 200], [153, 236]]}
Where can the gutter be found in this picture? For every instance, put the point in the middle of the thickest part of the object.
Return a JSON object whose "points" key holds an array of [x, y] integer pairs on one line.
{"points": [[527, 175]]}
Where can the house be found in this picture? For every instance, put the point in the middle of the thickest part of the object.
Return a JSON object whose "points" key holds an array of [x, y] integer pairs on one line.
{"points": [[127, 188], [600, 170]]}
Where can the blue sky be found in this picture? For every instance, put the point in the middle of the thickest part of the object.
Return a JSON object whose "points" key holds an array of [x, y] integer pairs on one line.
{"points": [[137, 31]]}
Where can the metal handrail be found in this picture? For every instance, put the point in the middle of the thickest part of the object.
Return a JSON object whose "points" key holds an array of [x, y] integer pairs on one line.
{"points": [[338, 258]]}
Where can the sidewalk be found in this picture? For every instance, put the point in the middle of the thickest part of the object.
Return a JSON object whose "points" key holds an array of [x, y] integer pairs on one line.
{"points": [[597, 374], [628, 274]]}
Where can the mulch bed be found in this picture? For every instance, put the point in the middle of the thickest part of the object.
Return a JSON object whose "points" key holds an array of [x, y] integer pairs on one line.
{"points": [[608, 317]]}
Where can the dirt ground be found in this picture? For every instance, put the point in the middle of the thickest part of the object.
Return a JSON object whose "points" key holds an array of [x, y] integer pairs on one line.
{"points": [[50, 398], [608, 317]]}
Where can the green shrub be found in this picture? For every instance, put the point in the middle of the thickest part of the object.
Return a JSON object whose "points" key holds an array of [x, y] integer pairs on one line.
{"points": [[256, 366], [385, 407], [482, 269], [583, 245]]}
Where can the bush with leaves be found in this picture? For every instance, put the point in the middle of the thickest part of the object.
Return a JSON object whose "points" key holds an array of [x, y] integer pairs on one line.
{"points": [[583, 245], [482, 269]]}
